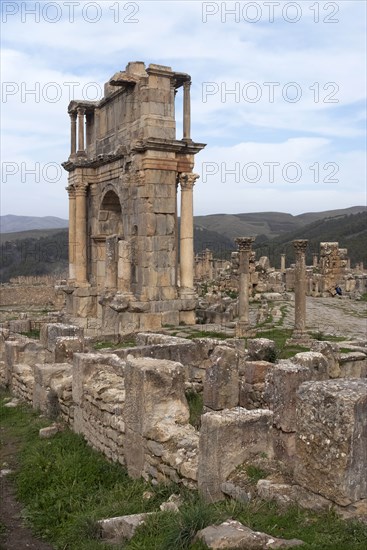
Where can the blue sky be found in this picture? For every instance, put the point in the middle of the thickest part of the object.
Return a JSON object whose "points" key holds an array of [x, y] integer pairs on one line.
{"points": [[278, 95]]}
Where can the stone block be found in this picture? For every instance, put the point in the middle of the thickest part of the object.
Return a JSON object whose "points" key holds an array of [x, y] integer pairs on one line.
{"points": [[227, 439], [66, 346], [51, 331], [221, 383], [261, 349], [315, 361], [155, 405], [43, 375], [282, 384], [123, 527], [331, 445]]}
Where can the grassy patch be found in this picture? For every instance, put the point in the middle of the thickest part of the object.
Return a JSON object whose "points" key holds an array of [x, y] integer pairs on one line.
{"points": [[113, 345], [208, 334], [34, 334], [255, 473], [195, 401], [326, 337], [363, 297], [66, 487]]}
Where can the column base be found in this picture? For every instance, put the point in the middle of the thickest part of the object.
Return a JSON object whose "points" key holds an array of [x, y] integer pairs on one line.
{"points": [[187, 293], [299, 337], [243, 330]]}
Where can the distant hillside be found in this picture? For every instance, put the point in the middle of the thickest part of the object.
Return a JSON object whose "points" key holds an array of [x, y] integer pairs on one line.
{"points": [[33, 255], [13, 224], [349, 231], [270, 224], [45, 251]]}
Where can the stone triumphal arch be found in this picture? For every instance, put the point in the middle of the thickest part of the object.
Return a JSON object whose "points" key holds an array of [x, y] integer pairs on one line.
{"points": [[125, 168]]}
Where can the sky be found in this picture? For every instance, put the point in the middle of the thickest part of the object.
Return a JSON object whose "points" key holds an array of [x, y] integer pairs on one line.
{"points": [[278, 95]]}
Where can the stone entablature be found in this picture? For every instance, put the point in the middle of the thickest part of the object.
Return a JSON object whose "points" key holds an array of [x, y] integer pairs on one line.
{"points": [[125, 167]]}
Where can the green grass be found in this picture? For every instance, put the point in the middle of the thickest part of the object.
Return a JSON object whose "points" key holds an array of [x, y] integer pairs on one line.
{"points": [[35, 334], [195, 401], [114, 345], [66, 487], [326, 337], [208, 334], [363, 297], [255, 473]]}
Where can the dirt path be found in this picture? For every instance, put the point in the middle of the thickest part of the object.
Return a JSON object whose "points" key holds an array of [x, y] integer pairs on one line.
{"points": [[16, 536]]}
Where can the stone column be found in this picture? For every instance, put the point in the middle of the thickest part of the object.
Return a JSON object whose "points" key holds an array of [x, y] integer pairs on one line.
{"points": [[315, 262], [81, 146], [186, 111], [300, 289], [282, 263], [72, 238], [187, 181], [111, 262], [244, 252], [88, 129], [348, 263], [81, 234], [72, 134]]}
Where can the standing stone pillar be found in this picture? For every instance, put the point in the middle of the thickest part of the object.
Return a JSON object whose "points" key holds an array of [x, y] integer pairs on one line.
{"points": [[186, 111], [72, 134], [315, 262], [72, 237], [282, 263], [81, 146], [81, 234], [187, 181], [300, 289], [111, 262], [244, 250]]}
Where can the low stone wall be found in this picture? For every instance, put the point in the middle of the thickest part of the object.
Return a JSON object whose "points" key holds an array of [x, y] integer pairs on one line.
{"points": [[31, 295], [130, 404]]}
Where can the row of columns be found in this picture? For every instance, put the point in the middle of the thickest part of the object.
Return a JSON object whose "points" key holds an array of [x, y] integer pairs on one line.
{"points": [[244, 251], [80, 122]]}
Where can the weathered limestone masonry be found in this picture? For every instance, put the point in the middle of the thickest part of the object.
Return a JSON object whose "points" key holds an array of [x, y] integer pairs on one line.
{"points": [[125, 166], [309, 412]]}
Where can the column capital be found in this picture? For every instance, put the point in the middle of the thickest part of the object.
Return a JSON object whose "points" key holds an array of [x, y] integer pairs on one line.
{"points": [[73, 115], [244, 243], [300, 245], [187, 84], [187, 180], [81, 110], [81, 189], [71, 191]]}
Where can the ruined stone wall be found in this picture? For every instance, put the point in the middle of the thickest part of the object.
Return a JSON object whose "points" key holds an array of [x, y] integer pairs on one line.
{"points": [[30, 295], [130, 404]]}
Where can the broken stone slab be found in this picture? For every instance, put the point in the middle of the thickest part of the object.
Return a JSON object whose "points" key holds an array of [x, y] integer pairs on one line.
{"points": [[172, 504], [235, 492], [50, 431], [285, 494], [122, 527], [13, 403], [51, 331], [232, 534], [331, 445]]}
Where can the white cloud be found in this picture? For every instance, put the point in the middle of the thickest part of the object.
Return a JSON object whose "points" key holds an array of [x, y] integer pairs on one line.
{"points": [[46, 56]]}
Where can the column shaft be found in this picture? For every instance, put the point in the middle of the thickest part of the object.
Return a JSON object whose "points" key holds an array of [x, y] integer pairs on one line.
{"points": [[72, 226], [300, 288], [72, 134], [244, 250], [81, 234], [81, 146], [186, 111], [282, 263], [187, 181]]}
